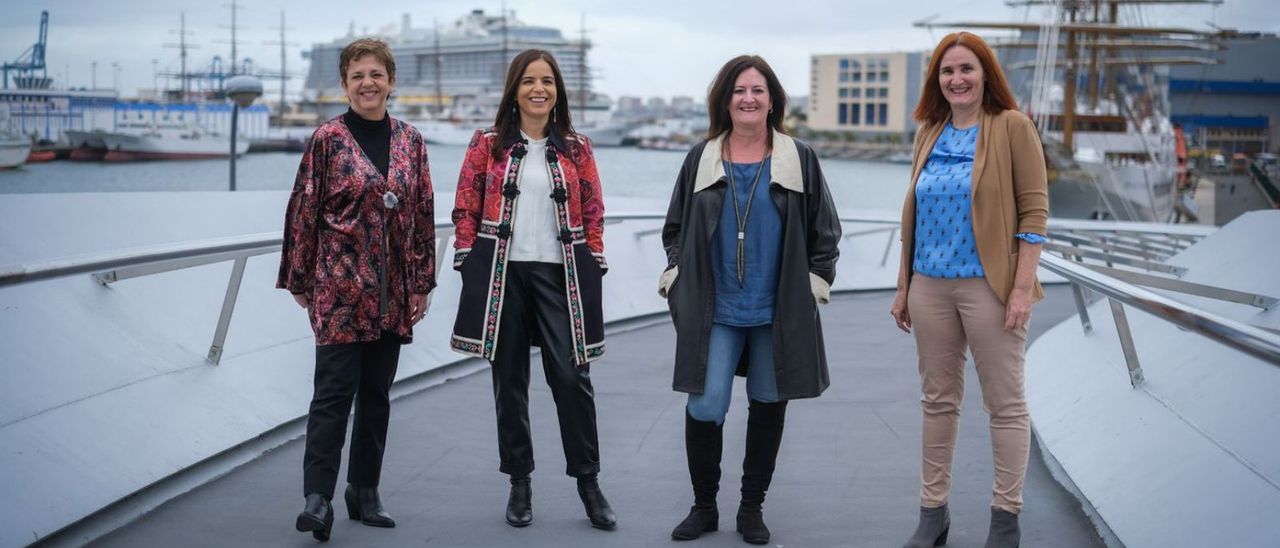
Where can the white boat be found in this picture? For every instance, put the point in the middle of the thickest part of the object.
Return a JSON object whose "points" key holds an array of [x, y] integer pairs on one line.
{"points": [[899, 158], [446, 132], [163, 142], [13, 150], [607, 134]]}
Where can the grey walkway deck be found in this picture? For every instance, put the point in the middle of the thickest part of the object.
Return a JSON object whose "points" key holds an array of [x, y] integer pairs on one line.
{"points": [[847, 474]]}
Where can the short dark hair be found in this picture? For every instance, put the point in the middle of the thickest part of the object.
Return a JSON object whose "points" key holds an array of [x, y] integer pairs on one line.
{"points": [[367, 46], [507, 122], [721, 93]]}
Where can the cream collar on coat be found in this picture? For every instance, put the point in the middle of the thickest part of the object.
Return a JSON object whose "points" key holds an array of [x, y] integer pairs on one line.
{"points": [[784, 168]]}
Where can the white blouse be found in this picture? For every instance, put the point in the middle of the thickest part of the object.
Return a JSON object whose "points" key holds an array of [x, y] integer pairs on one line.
{"points": [[534, 236]]}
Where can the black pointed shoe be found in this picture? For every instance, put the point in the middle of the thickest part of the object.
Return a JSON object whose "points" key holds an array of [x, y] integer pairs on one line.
{"points": [[363, 504], [520, 503], [598, 510], [316, 517]]}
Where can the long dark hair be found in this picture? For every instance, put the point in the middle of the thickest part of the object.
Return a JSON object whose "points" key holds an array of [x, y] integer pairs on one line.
{"points": [[507, 123], [933, 107], [720, 94]]}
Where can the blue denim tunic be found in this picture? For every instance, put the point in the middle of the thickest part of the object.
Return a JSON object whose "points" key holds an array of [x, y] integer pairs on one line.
{"points": [[750, 304]]}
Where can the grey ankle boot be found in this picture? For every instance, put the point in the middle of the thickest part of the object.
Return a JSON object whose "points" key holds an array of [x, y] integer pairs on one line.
{"points": [[1004, 530], [932, 531]]}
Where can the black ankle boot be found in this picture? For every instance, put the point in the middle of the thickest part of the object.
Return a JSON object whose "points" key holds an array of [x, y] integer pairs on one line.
{"points": [[932, 530], [364, 504], [598, 509], [703, 444], [520, 503], [316, 516], [1004, 532], [764, 435]]}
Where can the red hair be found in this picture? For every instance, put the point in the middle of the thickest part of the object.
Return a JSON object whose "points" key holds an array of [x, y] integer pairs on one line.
{"points": [[933, 108]]}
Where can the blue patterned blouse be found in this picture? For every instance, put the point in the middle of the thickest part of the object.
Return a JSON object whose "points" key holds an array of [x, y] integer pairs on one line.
{"points": [[944, 243]]}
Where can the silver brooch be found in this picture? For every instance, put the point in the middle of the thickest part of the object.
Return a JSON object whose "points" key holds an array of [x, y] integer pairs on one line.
{"points": [[389, 199]]}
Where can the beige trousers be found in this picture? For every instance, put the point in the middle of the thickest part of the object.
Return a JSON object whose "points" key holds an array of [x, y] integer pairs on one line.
{"points": [[947, 315]]}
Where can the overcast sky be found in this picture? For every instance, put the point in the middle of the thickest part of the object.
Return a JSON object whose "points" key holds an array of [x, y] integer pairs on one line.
{"points": [[641, 47]]}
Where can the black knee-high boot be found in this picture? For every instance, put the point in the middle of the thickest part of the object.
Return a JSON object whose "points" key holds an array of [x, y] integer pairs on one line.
{"points": [[703, 444], [764, 436]]}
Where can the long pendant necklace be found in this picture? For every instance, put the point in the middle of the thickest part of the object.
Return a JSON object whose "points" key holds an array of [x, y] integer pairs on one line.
{"points": [[741, 218]]}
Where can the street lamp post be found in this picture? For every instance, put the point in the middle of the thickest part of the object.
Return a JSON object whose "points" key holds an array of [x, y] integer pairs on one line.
{"points": [[242, 90]]}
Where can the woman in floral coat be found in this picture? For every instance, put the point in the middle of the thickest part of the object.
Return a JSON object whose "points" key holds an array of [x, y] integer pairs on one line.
{"points": [[529, 243], [359, 255]]}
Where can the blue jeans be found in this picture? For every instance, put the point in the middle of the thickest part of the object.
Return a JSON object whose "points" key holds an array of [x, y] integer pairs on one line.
{"points": [[726, 346]]}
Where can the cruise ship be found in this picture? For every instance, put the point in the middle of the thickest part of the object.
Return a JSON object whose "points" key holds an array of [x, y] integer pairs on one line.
{"points": [[449, 78]]}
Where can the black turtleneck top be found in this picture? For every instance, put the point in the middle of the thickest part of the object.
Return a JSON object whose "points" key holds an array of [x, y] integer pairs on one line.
{"points": [[374, 137]]}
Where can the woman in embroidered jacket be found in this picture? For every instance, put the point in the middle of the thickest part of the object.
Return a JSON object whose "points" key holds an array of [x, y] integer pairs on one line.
{"points": [[751, 237], [973, 219], [359, 255], [530, 246]]}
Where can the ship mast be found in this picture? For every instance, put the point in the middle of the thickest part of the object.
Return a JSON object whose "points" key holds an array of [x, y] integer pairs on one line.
{"points": [[439, 92], [284, 69], [1090, 33], [582, 66], [1069, 95], [182, 47]]}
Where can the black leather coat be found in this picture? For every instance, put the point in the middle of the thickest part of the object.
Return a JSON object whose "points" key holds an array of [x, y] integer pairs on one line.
{"points": [[810, 239]]}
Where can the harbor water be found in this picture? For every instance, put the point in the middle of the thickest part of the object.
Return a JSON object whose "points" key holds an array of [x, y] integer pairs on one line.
{"points": [[625, 172]]}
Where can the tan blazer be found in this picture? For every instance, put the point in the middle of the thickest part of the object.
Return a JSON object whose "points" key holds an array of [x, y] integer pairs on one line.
{"points": [[1010, 195]]}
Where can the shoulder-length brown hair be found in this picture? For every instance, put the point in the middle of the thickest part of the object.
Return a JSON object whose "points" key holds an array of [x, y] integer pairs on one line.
{"points": [[933, 108], [507, 122], [721, 93]]}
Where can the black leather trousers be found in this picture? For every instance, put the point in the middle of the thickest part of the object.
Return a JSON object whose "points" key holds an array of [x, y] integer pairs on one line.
{"points": [[535, 310]]}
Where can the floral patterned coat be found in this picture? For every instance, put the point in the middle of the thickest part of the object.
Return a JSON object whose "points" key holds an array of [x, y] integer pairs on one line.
{"points": [[356, 260], [483, 214]]}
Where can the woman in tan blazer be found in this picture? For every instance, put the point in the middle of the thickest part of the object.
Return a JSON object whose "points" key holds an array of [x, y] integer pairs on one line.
{"points": [[972, 223]]}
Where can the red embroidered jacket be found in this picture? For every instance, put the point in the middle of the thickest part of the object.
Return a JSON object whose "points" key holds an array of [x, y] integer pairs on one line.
{"points": [[487, 192], [357, 260], [480, 190]]}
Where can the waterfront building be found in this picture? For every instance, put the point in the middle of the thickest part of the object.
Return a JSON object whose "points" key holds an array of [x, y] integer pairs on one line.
{"points": [[1233, 106], [870, 95]]}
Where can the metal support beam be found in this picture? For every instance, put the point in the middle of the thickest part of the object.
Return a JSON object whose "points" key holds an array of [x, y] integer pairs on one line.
{"points": [[1145, 265], [1126, 343], [228, 306], [884, 260], [1082, 306], [1191, 288], [1108, 245], [108, 277]]}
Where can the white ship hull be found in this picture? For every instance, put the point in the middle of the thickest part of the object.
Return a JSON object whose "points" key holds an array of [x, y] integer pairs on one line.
{"points": [[124, 147], [607, 134], [1100, 187], [439, 132], [13, 152]]}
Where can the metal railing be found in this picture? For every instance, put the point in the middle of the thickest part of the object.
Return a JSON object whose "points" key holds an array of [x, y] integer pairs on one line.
{"points": [[1124, 288], [1121, 244], [108, 268]]}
